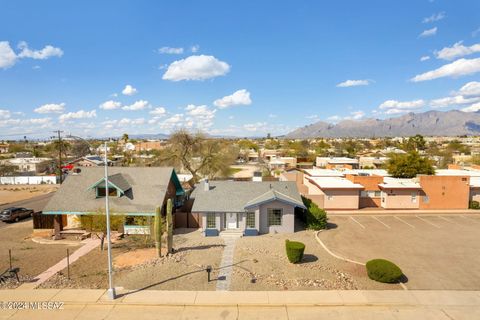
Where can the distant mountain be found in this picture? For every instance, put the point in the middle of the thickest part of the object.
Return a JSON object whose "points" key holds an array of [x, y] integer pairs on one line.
{"points": [[430, 123], [152, 136]]}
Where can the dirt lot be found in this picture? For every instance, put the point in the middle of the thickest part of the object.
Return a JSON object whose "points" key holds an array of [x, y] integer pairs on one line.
{"points": [[435, 252], [13, 193], [263, 258], [32, 258], [137, 267]]}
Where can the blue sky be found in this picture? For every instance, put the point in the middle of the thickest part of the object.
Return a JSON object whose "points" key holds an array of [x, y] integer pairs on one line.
{"points": [[243, 68]]}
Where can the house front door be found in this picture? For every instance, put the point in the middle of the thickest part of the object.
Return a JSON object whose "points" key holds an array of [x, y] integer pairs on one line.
{"points": [[231, 220]]}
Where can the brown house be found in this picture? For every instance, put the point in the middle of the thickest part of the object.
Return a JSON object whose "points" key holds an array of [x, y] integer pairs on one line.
{"points": [[444, 192]]}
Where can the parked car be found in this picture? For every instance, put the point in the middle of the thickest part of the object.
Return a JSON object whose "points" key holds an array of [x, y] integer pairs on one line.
{"points": [[15, 214]]}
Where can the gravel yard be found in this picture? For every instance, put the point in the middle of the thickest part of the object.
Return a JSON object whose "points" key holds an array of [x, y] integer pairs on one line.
{"points": [[263, 258], [32, 258], [136, 267]]}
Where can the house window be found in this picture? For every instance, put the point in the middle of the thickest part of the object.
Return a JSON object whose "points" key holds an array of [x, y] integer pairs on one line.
{"points": [[211, 221], [329, 197], [378, 194], [112, 192], [274, 217], [251, 220], [363, 194]]}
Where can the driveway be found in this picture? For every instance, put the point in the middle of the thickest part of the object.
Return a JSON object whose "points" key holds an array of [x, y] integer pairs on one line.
{"points": [[438, 251]]}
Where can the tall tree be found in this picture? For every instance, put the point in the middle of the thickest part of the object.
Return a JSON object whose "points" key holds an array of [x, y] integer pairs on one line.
{"points": [[198, 155], [409, 165], [125, 137]]}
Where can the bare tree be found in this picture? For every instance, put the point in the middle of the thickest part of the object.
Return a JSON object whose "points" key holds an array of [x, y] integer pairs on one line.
{"points": [[199, 155]]}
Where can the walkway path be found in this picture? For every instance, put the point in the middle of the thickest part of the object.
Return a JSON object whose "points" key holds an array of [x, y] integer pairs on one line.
{"points": [[211, 305], [89, 245], [226, 265]]}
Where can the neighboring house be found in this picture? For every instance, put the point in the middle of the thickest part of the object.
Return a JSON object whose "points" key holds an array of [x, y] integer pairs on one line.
{"points": [[334, 192], [372, 162], [148, 146], [4, 147], [248, 207], [336, 163], [132, 191], [90, 161], [400, 193], [30, 165]]}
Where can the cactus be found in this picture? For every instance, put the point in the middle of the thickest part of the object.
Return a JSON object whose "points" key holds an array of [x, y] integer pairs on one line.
{"points": [[169, 226], [157, 227]]}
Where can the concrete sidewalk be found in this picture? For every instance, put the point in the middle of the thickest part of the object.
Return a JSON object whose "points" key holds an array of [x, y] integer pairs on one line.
{"points": [[93, 304]]}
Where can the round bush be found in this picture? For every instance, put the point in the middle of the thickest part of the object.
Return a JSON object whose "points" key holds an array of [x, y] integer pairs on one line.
{"points": [[294, 251], [383, 271]]}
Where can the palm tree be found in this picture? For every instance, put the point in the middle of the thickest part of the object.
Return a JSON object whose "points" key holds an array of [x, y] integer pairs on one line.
{"points": [[125, 137]]}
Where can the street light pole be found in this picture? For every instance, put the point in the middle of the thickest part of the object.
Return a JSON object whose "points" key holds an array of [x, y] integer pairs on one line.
{"points": [[111, 290]]}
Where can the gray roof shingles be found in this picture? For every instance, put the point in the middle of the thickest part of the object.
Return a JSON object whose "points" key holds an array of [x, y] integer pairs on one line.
{"points": [[147, 189], [236, 196]]}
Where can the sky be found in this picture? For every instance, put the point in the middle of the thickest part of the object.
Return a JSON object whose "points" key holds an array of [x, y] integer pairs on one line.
{"points": [[231, 68]]}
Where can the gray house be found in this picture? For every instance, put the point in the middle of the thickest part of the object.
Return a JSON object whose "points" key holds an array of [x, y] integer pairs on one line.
{"points": [[247, 207], [132, 191]]}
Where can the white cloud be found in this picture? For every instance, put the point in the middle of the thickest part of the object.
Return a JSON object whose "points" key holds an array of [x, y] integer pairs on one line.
{"points": [[272, 116], [456, 51], [353, 83], [470, 89], [81, 114], [4, 114], [455, 69], [8, 58], [200, 117], [175, 121], [110, 105], [51, 108], [452, 101], [354, 115], [396, 107], [239, 97], [425, 58], [195, 48], [129, 90], [170, 50], [137, 105], [200, 67], [428, 32], [434, 17], [43, 54], [473, 108], [160, 111], [313, 116]]}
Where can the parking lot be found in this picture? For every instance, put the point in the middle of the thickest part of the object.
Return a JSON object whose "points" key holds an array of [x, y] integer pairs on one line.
{"points": [[438, 251]]}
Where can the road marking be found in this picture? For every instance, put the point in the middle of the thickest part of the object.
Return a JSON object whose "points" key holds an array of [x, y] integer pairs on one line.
{"points": [[408, 224], [447, 219], [431, 223], [361, 225], [468, 218], [386, 225]]}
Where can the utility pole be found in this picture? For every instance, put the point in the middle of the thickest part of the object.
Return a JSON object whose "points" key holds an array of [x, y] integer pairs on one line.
{"points": [[59, 155]]}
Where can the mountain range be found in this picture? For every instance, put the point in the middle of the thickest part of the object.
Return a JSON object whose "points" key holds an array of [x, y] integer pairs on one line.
{"points": [[430, 123]]}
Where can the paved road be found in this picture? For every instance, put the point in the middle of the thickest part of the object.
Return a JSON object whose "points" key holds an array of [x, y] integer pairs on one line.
{"points": [[36, 203]]}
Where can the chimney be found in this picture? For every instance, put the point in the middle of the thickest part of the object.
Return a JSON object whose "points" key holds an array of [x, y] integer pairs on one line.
{"points": [[206, 185]]}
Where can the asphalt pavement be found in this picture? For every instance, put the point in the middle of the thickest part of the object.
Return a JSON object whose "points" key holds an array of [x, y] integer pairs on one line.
{"points": [[35, 203]]}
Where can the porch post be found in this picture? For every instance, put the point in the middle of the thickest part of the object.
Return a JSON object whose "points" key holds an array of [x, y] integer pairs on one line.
{"points": [[57, 226]]}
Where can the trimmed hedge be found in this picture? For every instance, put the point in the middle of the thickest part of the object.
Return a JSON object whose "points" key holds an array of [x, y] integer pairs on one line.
{"points": [[316, 218], [382, 270], [294, 250]]}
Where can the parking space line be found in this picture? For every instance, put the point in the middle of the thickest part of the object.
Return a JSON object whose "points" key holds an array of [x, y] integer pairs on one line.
{"points": [[468, 218], [361, 225], [386, 225], [408, 224], [431, 223], [447, 219]]}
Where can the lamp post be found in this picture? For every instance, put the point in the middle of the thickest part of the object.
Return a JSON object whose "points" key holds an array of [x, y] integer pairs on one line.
{"points": [[111, 289]]}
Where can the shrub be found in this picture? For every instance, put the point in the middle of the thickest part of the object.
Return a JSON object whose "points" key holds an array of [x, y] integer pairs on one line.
{"points": [[294, 250], [383, 271], [316, 218], [474, 205]]}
